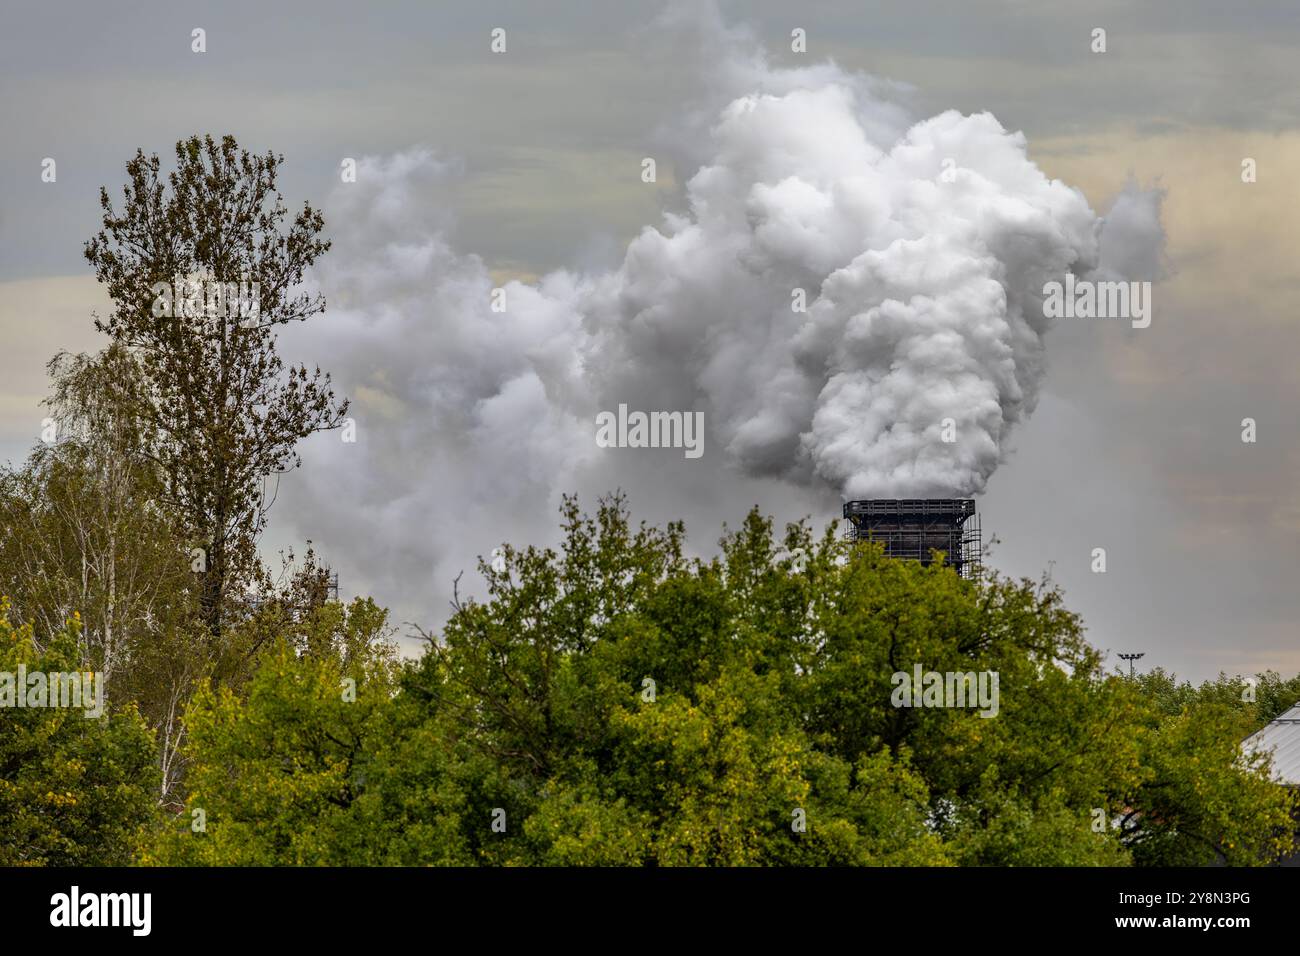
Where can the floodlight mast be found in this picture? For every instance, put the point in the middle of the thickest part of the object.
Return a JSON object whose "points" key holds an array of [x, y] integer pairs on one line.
{"points": [[1131, 658]]}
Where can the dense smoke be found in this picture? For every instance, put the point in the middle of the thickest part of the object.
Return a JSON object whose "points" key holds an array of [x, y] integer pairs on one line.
{"points": [[919, 251]]}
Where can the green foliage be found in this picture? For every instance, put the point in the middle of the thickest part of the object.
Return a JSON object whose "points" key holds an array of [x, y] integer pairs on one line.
{"points": [[1254, 702], [84, 532], [279, 766], [87, 534], [996, 826], [1200, 801], [74, 790], [615, 703]]}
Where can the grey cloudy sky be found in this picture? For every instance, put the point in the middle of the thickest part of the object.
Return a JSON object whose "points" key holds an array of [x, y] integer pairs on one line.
{"points": [[1135, 445]]}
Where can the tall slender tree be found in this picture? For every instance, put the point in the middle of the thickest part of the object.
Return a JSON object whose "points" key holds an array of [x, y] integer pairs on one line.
{"points": [[202, 266]]}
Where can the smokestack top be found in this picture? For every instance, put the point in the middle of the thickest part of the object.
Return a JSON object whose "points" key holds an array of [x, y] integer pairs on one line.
{"points": [[959, 508], [916, 528]]}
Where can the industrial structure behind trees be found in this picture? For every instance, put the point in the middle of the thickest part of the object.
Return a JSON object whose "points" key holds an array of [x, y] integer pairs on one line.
{"points": [[915, 528]]}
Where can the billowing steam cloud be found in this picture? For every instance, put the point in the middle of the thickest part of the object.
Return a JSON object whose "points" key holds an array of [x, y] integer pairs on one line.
{"points": [[920, 251], [924, 295]]}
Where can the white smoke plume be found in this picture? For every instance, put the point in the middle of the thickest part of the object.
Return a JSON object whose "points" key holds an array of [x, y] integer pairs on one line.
{"points": [[921, 248]]}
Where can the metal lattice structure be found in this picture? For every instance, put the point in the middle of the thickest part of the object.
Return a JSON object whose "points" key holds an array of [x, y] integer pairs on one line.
{"points": [[913, 528]]}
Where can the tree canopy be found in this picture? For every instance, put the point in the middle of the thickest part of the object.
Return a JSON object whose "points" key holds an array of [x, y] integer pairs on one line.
{"points": [[74, 790], [613, 702]]}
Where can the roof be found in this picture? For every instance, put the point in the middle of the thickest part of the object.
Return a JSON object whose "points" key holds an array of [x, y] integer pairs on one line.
{"points": [[1282, 737], [910, 506]]}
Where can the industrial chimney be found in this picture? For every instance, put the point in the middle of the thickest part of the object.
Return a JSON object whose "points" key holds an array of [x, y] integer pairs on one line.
{"points": [[913, 527]]}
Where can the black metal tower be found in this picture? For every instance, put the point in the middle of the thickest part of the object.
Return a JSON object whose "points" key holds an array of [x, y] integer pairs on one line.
{"points": [[914, 527]]}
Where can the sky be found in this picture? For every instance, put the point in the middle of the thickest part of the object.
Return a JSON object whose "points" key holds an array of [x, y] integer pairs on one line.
{"points": [[523, 171]]}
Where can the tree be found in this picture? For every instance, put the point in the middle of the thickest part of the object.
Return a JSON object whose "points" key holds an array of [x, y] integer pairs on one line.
{"points": [[276, 768], [202, 270], [85, 532], [1254, 701], [74, 790], [1198, 799], [88, 533], [611, 702]]}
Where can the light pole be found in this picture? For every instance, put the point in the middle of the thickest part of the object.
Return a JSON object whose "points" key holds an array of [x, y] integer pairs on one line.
{"points": [[1131, 658]]}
